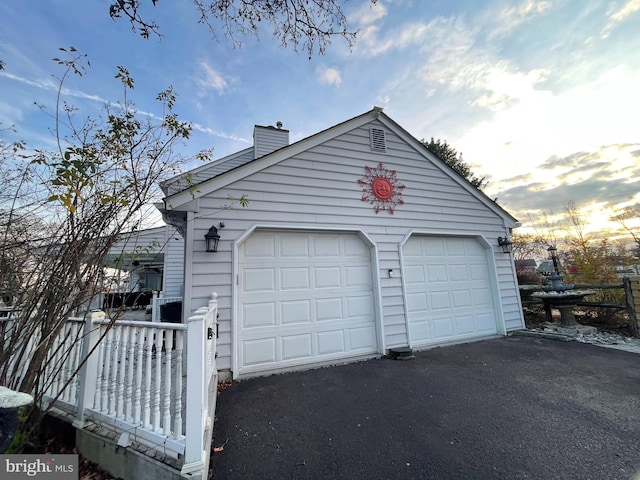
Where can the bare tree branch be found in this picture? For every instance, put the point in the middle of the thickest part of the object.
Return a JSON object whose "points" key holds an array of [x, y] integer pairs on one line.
{"points": [[307, 25]]}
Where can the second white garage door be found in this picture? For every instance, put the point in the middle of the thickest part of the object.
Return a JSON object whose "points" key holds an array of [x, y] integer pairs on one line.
{"points": [[304, 298], [449, 290]]}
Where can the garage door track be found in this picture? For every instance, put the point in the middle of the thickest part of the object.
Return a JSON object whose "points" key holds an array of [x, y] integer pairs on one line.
{"points": [[511, 408]]}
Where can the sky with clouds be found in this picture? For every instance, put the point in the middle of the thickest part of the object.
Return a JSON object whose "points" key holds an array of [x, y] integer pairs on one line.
{"points": [[541, 97]]}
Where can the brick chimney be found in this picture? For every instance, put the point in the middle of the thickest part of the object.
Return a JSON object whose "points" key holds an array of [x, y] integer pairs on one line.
{"points": [[269, 139]]}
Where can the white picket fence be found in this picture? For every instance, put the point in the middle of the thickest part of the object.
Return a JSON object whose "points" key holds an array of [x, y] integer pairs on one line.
{"points": [[132, 380]]}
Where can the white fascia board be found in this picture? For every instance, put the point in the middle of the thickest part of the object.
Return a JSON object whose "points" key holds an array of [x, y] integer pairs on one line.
{"points": [[191, 205], [509, 221], [177, 200]]}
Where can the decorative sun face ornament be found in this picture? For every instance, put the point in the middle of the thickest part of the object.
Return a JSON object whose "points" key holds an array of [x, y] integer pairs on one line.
{"points": [[381, 188]]}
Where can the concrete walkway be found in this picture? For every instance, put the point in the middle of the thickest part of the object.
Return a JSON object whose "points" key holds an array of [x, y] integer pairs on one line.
{"points": [[512, 408]]}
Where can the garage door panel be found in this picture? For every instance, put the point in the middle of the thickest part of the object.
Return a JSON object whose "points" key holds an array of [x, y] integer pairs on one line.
{"points": [[479, 272], [420, 331], [442, 327], [329, 309], [359, 276], [474, 249], [354, 247], [465, 325], [297, 346], [437, 273], [294, 278], [327, 277], [363, 338], [331, 342], [461, 298], [259, 315], [294, 246], [412, 249], [414, 274], [458, 273], [432, 247], [439, 300], [259, 352], [260, 246], [417, 302], [455, 247], [455, 299], [485, 323], [297, 311], [259, 280], [359, 306], [326, 246], [482, 297], [310, 299]]}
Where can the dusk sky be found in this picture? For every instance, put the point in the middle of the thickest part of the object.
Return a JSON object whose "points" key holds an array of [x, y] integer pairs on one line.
{"points": [[541, 97]]}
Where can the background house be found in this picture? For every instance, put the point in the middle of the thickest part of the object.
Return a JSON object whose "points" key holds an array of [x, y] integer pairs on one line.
{"points": [[356, 240], [150, 259]]}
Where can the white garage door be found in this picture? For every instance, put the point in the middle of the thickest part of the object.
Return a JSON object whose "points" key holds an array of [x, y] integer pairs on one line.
{"points": [[304, 298], [449, 290]]}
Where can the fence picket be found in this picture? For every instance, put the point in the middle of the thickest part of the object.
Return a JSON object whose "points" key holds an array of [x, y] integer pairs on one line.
{"points": [[177, 423]]}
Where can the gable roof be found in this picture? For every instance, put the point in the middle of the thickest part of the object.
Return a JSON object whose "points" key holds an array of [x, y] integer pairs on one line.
{"points": [[223, 177], [187, 179]]}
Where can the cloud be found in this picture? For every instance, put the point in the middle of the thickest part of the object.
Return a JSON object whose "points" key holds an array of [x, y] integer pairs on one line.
{"points": [[456, 55], [212, 79], [607, 178], [580, 119], [508, 19], [368, 13], [504, 85], [628, 9], [50, 85], [329, 76], [46, 84], [620, 15], [219, 134], [369, 42], [9, 115]]}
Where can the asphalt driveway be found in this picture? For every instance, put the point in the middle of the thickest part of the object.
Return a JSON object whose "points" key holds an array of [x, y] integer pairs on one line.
{"points": [[512, 408]]}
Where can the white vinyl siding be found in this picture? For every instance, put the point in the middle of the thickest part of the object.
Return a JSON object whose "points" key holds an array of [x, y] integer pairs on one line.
{"points": [[319, 188], [173, 273], [268, 139]]}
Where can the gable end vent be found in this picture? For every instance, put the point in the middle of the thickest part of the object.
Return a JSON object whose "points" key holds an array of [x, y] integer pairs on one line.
{"points": [[378, 141]]}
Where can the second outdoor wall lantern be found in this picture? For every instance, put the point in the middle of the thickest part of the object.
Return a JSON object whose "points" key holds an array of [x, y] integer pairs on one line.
{"points": [[212, 237]]}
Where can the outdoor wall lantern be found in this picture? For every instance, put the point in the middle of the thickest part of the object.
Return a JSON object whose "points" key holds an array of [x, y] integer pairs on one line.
{"points": [[212, 237], [506, 244]]}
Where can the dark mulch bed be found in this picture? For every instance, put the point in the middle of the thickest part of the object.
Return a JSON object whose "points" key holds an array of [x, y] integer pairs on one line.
{"points": [[58, 437]]}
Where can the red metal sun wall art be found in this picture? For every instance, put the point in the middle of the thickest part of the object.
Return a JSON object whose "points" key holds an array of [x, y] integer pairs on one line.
{"points": [[381, 188]]}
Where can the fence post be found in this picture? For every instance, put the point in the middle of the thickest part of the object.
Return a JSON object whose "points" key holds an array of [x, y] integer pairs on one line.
{"points": [[155, 314], [195, 454], [88, 371], [632, 294], [212, 339]]}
